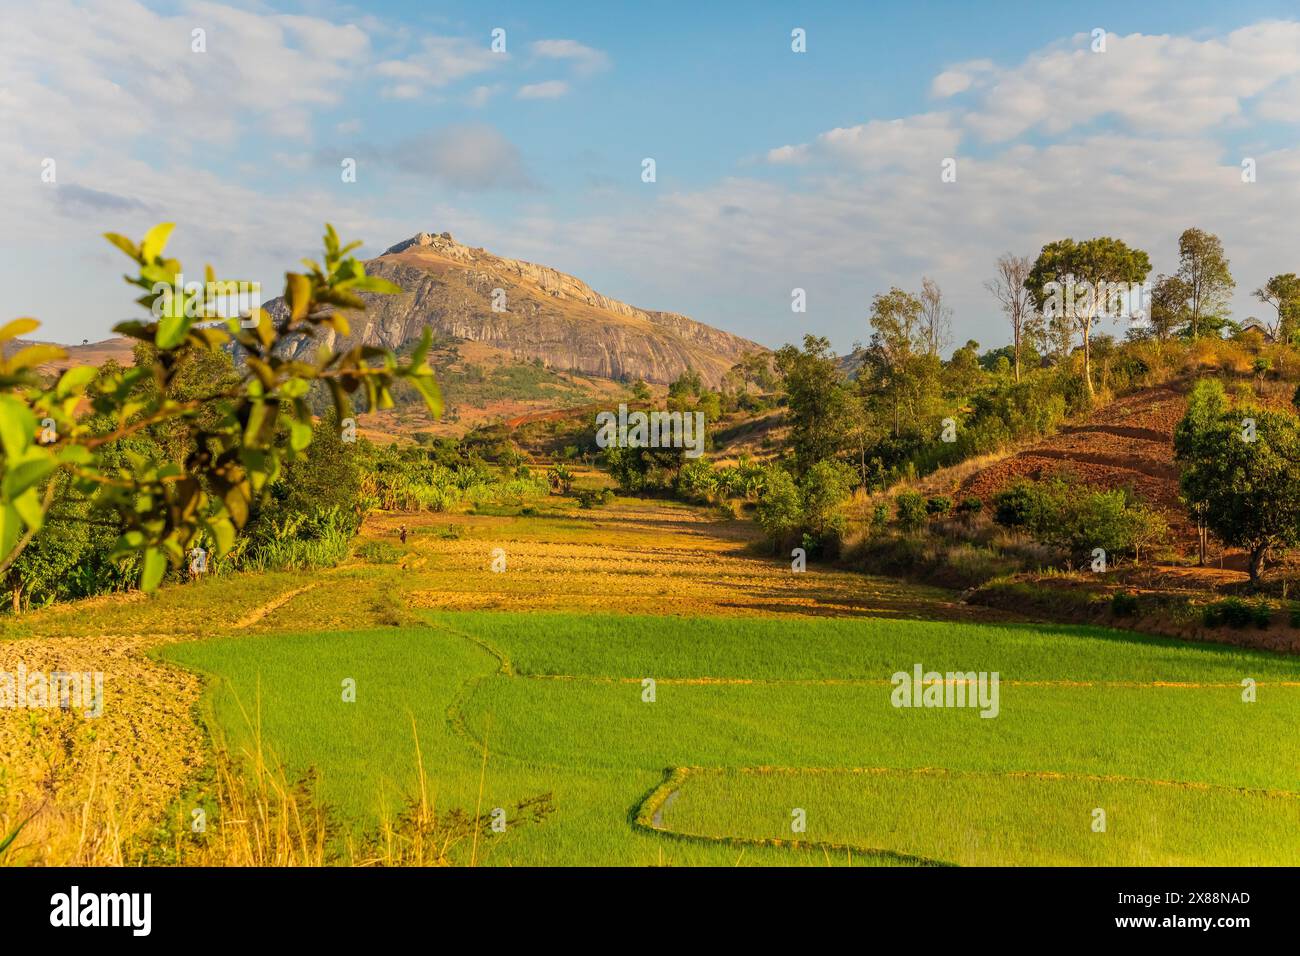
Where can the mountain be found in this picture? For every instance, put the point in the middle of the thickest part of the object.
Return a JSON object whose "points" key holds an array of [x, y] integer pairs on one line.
{"points": [[546, 316]]}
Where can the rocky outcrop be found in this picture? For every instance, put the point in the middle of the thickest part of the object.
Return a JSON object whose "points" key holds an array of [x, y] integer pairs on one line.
{"points": [[533, 312]]}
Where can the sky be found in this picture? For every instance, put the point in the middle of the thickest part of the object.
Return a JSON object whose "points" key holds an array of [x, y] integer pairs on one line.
{"points": [[775, 170]]}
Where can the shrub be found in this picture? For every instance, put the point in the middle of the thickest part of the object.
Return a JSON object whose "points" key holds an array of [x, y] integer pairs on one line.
{"points": [[780, 508], [1123, 604], [588, 497], [560, 479], [1013, 506], [822, 492], [938, 505], [697, 481], [1233, 612], [879, 517], [909, 509], [970, 506], [1077, 521]]}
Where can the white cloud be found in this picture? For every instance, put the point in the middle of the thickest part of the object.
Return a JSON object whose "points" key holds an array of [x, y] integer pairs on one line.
{"points": [[440, 62], [916, 141], [1152, 84], [549, 90], [1280, 103], [586, 60], [480, 96]]}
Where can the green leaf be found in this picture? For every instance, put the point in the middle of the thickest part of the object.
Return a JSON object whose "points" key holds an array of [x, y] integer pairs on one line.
{"points": [[34, 355], [299, 434], [17, 426], [11, 526], [154, 569], [19, 477], [236, 499], [429, 391], [76, 455], [421, 350], [154, 566], [136, 330], [297, 291], [223, 534], [75, 379], [8, 841], [123, 243], [12, 330], [28, 506], [155, 241], [377, 284], [172, 331]]}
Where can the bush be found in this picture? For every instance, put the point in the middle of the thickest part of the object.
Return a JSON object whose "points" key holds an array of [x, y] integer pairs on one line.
{"points": [[1123, 604], [879, 517], [780, 508], [970, 506], [822, 492], [909, 509], [697, 482], [591, 497], [1013, 507], [1077, 521], [938, 505], [1233, 612]]}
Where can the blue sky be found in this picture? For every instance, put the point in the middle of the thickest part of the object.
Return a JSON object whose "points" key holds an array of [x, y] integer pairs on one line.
{"points": [[775, 170]]}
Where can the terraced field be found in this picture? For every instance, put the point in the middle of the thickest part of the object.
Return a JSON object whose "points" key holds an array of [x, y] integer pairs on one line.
{"points": [[1128, 443], [753, 721], [527, 690]]}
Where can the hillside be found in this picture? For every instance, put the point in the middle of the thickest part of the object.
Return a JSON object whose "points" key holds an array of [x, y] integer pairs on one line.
{"points": [[548, 316], [1125, 444]]}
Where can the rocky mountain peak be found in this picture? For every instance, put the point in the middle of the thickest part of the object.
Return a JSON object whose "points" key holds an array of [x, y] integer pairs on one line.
{"points": [[533, 312]]}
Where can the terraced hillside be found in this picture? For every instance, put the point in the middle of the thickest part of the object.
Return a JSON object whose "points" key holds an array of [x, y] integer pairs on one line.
{"points": [[1126, 444]]}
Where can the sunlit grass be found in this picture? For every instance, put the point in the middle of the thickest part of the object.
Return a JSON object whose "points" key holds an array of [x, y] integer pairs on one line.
{"points": [[558, 700]]}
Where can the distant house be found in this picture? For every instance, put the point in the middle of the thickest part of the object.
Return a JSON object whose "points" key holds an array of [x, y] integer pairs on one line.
{"points": [[1254, 325]]}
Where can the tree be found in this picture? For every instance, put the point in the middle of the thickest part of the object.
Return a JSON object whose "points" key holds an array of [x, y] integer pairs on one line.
{"points": [[325, 477], [229, 434], [897, 319], [1243, 485], [819, 405], [823, 491], [755, 368], [963, 375], [936, 318], [1282, 292], [1075, 281], [1008, 287], [1204, 268], [1168, 306], [779, 510]]}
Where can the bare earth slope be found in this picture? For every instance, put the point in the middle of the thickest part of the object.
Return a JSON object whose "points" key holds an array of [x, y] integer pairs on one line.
{"points": [[1127, 444]]}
